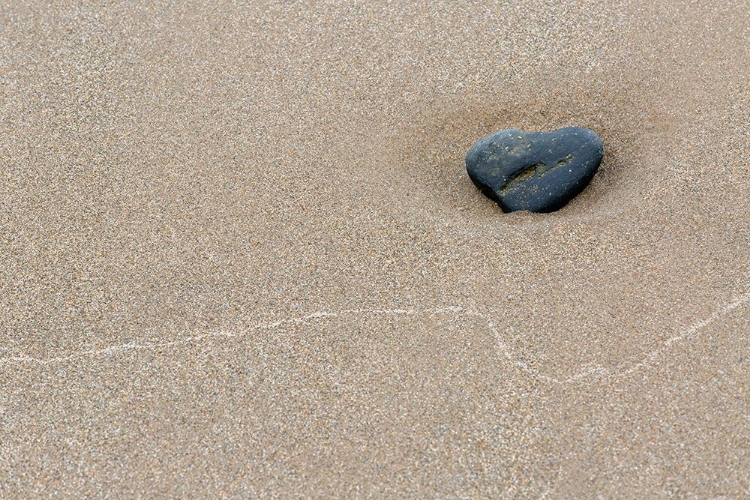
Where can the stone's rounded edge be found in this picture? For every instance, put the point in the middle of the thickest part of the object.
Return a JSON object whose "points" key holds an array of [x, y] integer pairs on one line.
{"points": [[475, 156], [590, 139], [485, 188], [580, 140], [592, 136], [587, 171]]}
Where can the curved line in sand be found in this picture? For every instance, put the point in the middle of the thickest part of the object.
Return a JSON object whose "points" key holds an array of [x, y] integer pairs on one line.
{"points": [[457, 311]]}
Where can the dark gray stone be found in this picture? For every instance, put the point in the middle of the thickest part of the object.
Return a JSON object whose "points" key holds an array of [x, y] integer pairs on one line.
{"points": [[534, 171]]}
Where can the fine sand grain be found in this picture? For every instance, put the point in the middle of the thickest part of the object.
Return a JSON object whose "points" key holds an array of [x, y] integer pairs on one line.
{"points": [[240, 255]]}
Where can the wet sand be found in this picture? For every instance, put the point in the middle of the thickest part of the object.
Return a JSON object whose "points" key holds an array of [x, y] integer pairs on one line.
{"points": [[241, 256]]}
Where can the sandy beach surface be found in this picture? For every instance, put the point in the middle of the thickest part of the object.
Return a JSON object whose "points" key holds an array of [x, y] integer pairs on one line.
{"points": [[240, 255]]}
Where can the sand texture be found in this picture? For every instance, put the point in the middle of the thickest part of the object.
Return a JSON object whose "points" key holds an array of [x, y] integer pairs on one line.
{"points": [[240, 256]]}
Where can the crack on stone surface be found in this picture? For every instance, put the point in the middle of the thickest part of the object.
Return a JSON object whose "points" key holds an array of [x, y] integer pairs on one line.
{"points": [[564, 161], [538, 169]]}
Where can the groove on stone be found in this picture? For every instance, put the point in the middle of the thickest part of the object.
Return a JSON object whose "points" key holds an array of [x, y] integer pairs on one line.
{"points": [[538, 169]]}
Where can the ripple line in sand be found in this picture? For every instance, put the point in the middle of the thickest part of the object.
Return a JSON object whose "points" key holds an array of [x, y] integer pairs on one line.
{"points": [[594, 372]]}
